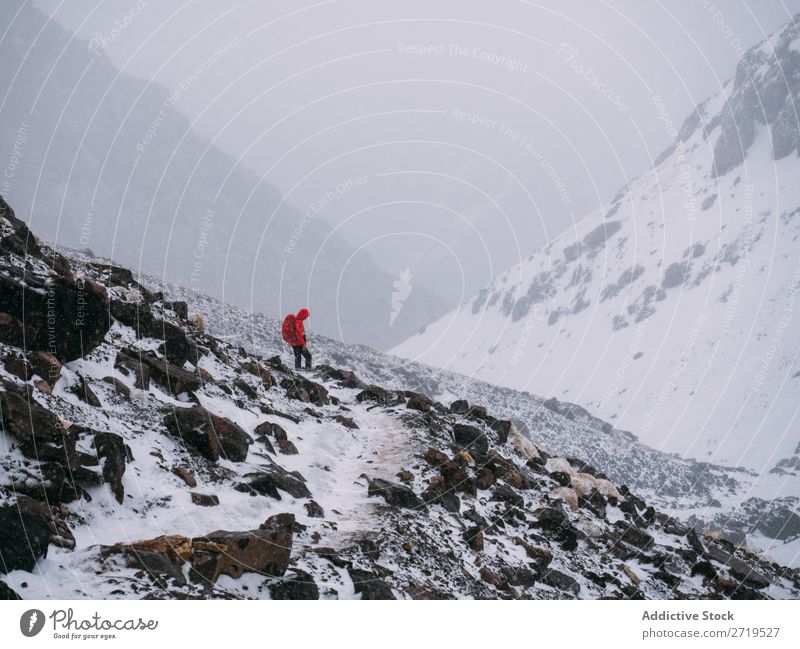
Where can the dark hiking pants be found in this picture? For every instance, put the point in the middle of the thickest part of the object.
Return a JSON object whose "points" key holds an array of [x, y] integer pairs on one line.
{"points": [[299, 352]]}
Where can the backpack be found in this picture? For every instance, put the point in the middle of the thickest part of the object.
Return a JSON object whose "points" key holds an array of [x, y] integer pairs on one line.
{"points": [[288, 330]]}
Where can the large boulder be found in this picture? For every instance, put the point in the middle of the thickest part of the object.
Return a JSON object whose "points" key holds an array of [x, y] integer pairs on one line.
{"points": [[173, 378], [40, 434], [297, 585], [211, 435], [345, 378], [472, 438], [266, 550], [395, 494], [67, 316], [369, 585], [24, 538], [302, 389], [269, 479], [113, 456]]}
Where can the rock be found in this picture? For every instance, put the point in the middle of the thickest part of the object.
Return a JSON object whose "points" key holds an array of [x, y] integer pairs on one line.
{"points": [[39, 432], [173, 378], [472, 438], [85, 393], [568, 495], [205, 500], [345, 378], [314, 509], [45, 365], [375, 393], [477, 412], [459, 407], [520, 576], [485, 479], [119, 387], [369, 585], [594, 502], [211, 435], [494, 579], [24, 539], [740, 569], [266, 550], [177, 348], [427, 592], [179, 307], [435, 458], [405, 476], [286, 447], [395, 494], [346, 422], [112, 455], [7, 593], [632, 575], [633, 535], [501, 428], [541, 557], [457, 479], [17, 365], [60, 534], [264, 375], [583, 483], [268, 428], [160, 569], [184, 474], [140, 318], [474, 538], [302, 389], [245, 388], [175, 548], [270, 479], [296, 585], [419, 402], [130, 360], [75, 308], [562, 478], [438, 493], [561, 581], [554, 520], [504, 493], [43, 386]]}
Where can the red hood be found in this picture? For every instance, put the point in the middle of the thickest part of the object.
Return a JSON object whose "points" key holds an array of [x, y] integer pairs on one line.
{"points": [[302, 314]]}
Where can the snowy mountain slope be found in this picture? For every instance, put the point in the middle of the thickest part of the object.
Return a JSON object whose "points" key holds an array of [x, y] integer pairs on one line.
{"points": [[102, 160], [715, 498], [143, 457], [671, 311]]}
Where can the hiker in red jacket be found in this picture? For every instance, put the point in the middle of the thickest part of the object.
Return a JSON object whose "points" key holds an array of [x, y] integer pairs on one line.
{"points": [[294, 333]]}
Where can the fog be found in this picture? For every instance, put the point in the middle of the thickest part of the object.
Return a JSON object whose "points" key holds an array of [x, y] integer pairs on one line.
{"points": [[451, 139]]}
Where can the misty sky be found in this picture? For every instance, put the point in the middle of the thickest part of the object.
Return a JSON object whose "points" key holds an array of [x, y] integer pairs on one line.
{"points": [[448, 138]]}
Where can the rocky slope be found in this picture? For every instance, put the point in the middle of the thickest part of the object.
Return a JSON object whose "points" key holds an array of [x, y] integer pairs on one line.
{"points": [[153, 460], [669, 311], [717, 499]]}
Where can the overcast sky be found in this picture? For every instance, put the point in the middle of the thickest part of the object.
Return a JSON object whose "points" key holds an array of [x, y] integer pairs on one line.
{"points": [[449, 138]]}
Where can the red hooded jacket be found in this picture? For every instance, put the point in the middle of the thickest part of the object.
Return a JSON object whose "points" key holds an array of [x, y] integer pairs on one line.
{"points": [[299, 329]]}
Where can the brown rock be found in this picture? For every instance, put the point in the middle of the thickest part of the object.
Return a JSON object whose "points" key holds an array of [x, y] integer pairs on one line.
{"points": [[286, 447], [47, 366], [176, 548], [205, 500], [265, 550], [184, 474]]}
